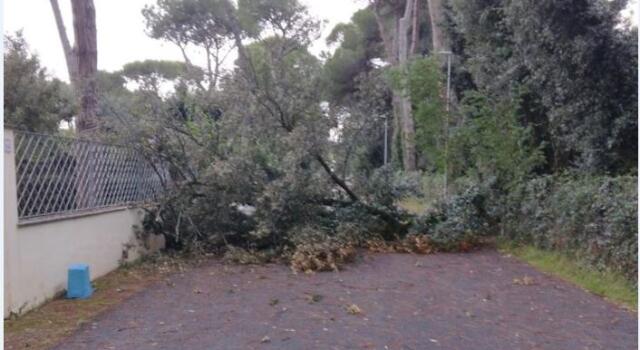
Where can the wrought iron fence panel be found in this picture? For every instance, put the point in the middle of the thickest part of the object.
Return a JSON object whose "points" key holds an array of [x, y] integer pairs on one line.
{"points": [[58, 175]]}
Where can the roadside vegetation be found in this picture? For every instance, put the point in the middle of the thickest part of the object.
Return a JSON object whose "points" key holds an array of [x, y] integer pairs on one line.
{"points": [[281, 155], [610, 285]]}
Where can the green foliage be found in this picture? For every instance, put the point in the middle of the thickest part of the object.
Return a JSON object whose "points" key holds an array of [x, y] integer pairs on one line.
{"points": [[165, 69], [151, 73], [286, 212], [283, 154], [359, 42], [263, 173], [593, 217], [284, 18], [385, 186], [574, 61], [584, 66], [197, 27], [460, 219], [189, 22], [32, 100], [360, 142], [493, 144], [422, 81], [341, 71]]}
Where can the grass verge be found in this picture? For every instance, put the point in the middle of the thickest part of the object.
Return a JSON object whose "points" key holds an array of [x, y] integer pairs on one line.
{"points": [[413, 205], [50, 323], [609, 285]]}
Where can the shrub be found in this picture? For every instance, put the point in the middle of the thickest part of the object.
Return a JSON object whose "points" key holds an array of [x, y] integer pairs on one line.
{"points": [[593, 217], [457, 223]]}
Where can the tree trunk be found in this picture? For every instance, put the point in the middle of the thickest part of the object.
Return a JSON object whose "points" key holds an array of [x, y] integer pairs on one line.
{"points": [[389, 41], [396, 43], [396, 138], [69, 52], [84, 25], [435, 16], [415, 28], [396, 145], [406, 117]]}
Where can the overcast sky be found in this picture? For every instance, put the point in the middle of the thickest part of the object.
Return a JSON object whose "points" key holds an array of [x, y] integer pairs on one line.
{"points": [[121, 37]]}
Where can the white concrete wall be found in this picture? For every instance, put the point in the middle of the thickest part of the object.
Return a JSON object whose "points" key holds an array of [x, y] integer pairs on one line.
{"points": [[36, 255]]}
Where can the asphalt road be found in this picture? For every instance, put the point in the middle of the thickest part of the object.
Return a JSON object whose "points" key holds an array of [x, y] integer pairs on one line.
{"points": [[385, 301]]}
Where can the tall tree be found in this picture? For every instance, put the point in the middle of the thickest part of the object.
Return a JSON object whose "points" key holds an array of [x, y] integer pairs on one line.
{"points": [[82, 60], [194, 24], [406, 33], [358, 44], [436, 19], [69, 52], [394, 19], [84, 28], [407, 123], [576, 81]]}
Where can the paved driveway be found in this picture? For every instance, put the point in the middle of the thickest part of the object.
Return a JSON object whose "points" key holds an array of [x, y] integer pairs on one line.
{"points": [[386, 301]]}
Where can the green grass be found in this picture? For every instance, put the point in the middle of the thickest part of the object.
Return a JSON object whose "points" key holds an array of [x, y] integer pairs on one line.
{"points": [[610, 285], [413, 205]]}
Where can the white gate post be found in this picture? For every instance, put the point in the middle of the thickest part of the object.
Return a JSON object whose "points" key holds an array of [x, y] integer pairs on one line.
{"points": [[10, 212]]}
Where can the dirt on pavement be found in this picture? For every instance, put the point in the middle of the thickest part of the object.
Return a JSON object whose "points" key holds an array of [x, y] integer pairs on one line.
{"points": [[480, 300]]}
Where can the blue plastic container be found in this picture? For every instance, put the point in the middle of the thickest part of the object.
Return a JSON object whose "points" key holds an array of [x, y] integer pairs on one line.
{"points": [[78, 282]]}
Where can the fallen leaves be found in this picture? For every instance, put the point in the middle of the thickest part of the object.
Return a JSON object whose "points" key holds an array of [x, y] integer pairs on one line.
{"points": [[525, 281], [246, 256], [354, 309], [411, 244], [328, 256], [314, 298]]}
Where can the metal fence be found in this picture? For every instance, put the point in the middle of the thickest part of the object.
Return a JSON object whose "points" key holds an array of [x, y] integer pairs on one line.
{"points": [[59, 175]]}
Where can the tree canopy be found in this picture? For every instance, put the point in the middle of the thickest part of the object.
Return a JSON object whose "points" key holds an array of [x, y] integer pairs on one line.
{"points": [[33, 100]]}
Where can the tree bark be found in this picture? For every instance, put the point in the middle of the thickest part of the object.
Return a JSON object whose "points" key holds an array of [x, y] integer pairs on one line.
{"points": [[69, 52], [407, 122], [396, 43], [415, 28], [387, 40], [84, 25], [435, 17], [337, 180]]}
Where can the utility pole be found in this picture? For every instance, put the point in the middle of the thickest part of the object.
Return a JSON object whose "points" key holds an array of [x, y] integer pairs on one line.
{"points": [[446, 123]]}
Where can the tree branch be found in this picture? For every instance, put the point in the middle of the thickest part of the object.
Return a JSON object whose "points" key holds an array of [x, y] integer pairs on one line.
{"points": [[336, 179]]}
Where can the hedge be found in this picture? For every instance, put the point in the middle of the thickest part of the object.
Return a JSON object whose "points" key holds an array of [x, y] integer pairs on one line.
{"points": [[594, 218]]}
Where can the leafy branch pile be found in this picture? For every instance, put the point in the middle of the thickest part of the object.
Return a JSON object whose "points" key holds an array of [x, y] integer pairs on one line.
{"points": [[260, 168]]}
